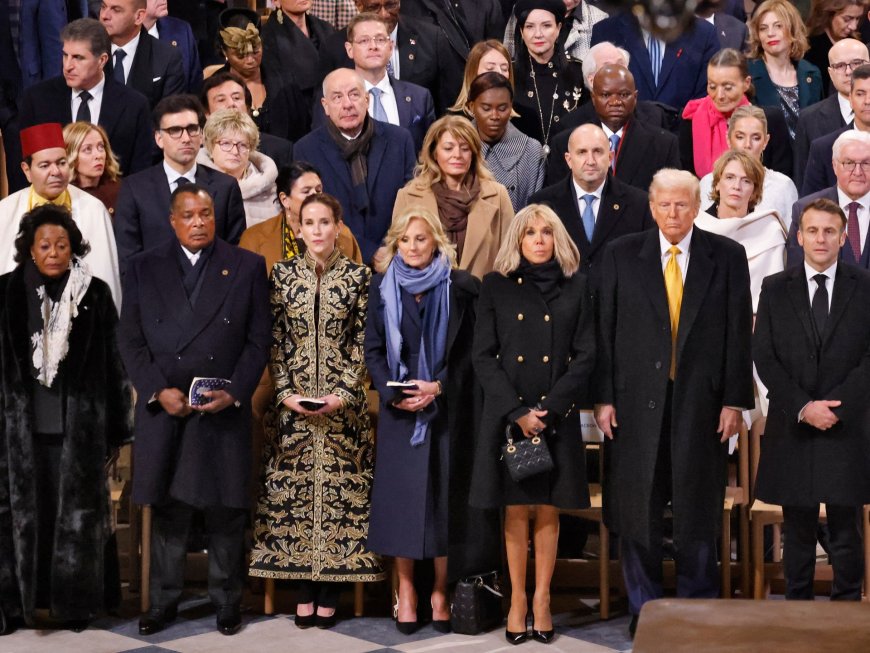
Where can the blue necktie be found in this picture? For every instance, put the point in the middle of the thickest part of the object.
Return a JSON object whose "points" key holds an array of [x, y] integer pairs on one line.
{"points": [[378, 112], [614, 147], [118, 66], [655, 57], [588, 217]]}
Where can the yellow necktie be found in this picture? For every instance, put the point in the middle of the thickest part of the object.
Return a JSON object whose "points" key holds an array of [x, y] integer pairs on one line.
{"points": [[674, 288]]}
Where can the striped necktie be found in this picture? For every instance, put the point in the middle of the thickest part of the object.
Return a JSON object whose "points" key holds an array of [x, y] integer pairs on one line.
{"points": [[655, 57]]}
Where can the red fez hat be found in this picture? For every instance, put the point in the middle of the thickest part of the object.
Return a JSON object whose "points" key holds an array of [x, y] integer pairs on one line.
{"points": [[41, 137]]}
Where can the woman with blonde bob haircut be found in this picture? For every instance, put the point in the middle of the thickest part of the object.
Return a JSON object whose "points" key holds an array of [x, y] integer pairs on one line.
{"points": [[230, 145], [738, 181], [452, 182], [534, 352], [419, 333], [93, 166]]}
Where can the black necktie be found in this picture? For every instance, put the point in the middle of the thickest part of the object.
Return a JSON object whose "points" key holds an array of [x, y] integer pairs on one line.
{"points": [[820, 304], [84, 112], [181, 181], [118, 67]]}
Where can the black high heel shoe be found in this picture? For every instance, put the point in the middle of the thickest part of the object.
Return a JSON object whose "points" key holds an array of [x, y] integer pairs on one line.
{"points": [[543, 636], [404, 627], [517, 637], [307, 621]]}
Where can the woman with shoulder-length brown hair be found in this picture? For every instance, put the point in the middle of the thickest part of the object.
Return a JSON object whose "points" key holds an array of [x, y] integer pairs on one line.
{"points": [[93, 166], [780, 74], [534, 351], [452, 182], [420, 330]]}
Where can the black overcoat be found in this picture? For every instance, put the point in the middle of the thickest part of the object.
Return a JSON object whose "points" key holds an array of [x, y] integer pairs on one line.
{"points": [[714, 369], [97, 413], [801, 465], [401, 472], [203, 459], [527, 351]]}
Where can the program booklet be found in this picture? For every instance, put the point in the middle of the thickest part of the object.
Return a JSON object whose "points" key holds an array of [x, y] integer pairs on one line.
{"points": [[202, 384]]}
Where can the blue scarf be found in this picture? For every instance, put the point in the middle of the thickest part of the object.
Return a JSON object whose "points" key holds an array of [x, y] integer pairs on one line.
{"points": [[434, 282]]}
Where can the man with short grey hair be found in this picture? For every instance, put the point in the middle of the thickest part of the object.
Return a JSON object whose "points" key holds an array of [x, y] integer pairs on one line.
{"points": [[851, 165]]}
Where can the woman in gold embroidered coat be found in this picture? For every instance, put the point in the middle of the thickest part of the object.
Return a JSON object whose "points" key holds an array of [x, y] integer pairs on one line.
{"points": [[313, 514]]}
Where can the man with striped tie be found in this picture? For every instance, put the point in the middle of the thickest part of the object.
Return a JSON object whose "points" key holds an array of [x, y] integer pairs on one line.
{"points": [[675, 372]]}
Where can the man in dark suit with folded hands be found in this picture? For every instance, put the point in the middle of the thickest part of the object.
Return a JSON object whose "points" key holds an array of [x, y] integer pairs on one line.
{"points": [[675, 372], [143, 201], [812, 350], [594, 205], [195, 306]]}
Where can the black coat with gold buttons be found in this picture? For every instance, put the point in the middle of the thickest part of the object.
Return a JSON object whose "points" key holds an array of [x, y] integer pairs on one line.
{"points": [[545, 94], [529, 351]]}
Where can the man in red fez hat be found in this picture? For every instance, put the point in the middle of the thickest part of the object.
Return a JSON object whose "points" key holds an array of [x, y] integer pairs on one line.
{"points": [[46, 167]]}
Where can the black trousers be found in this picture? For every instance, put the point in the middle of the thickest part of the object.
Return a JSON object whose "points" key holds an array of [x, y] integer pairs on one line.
{"points": [[845, 551], [696, 564], [170, 526]]}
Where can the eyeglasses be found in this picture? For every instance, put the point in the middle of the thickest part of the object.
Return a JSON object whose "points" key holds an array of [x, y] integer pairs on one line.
{"points": [[227, 146], [379, 41], [849, 166], [847, 65], [176, 132]]}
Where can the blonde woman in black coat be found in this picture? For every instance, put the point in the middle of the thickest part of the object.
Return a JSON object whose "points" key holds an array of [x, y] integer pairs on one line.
{"points": [[533, 353]]}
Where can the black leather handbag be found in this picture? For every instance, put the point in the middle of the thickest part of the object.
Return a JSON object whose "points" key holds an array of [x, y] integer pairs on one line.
{"points": [[525, 457], [476, 604]]}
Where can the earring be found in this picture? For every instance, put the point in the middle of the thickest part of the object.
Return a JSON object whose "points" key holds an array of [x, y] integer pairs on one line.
{"points": [[280, 13]]}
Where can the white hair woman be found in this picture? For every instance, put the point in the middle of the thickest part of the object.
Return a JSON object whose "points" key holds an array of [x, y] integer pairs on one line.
{"points": [[534, 351]]}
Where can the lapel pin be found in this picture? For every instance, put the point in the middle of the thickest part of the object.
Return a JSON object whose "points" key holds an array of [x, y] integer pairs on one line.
{"points": [[407, 98], [225, 272], [175, 44], [809, 80], [411, 56], [412, 41], [616, 207]]}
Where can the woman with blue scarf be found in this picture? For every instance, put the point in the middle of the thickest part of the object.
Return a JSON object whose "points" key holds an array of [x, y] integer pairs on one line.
{"points": [[419, 333], [534, 351]]}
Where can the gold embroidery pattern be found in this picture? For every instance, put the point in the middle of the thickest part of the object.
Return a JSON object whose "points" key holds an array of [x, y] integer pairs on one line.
{"points": [[312, 517]]}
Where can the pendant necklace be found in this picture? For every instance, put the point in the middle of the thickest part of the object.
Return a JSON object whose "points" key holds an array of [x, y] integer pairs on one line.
{"points": [[544, 132]]}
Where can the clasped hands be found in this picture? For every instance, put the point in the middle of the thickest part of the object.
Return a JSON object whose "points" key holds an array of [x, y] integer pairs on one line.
{"points": [[531, 423], [819, 414], [605, 417], [174, 402], [420, 397], [333, 403]]}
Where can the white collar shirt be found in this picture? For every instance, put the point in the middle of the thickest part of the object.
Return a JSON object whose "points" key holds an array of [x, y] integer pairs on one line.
{"points": [[172, 175], [130, 48], [813, 286], [388, 99], [682, 257], [94, 104], [863, 213], [579, 193]]}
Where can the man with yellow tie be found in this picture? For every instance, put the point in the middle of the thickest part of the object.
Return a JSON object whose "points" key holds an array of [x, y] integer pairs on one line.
{"points": [[47, 169], [675, 370]]}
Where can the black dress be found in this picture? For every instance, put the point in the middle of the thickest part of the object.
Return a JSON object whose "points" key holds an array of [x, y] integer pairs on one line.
{"points": [[536, 85], [529, 351]]}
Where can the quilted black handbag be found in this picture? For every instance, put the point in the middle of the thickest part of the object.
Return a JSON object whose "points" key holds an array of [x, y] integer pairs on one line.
{"points": [[525, 457], [476, 604]]}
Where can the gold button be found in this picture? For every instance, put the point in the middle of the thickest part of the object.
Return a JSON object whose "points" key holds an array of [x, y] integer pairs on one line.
{"points": [[520, 359], [520, 280], [546, 359], [546, 318], [520, 316]]}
